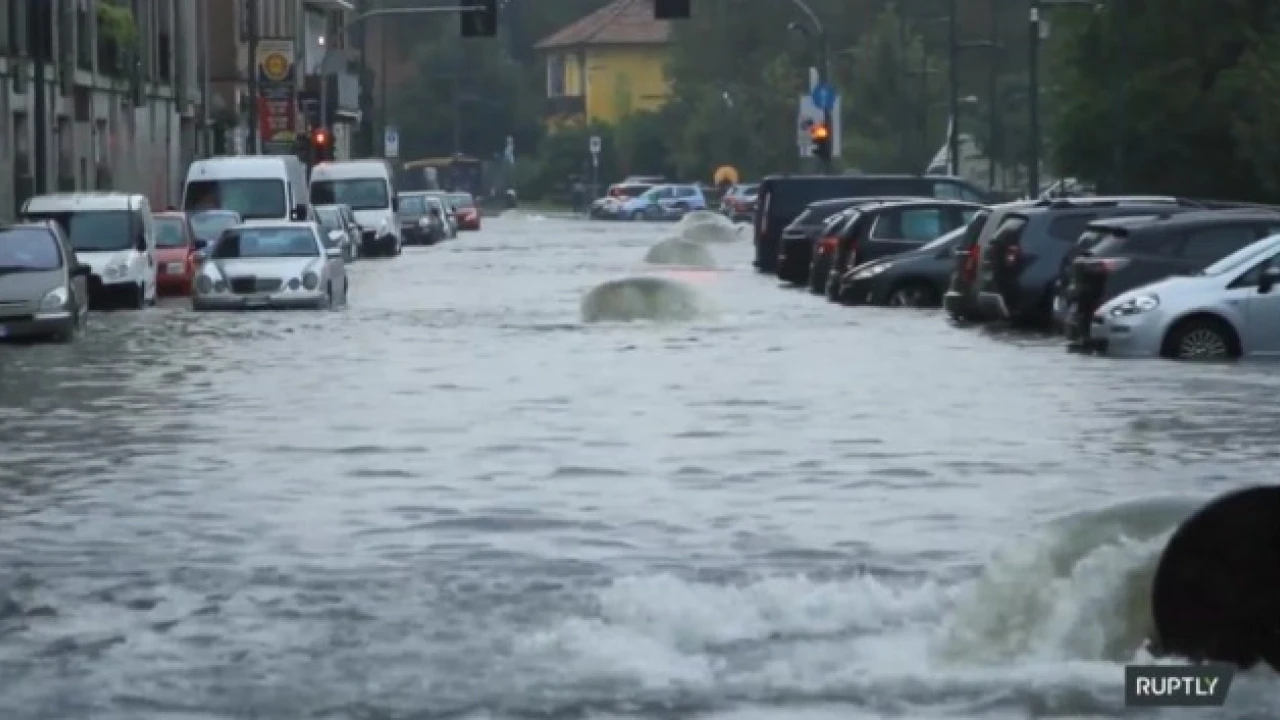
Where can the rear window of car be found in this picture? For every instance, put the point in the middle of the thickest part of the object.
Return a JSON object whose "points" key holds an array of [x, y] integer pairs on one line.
{"points": [[1212, 243], [814, 215], [1009, 230], [973, 230]]}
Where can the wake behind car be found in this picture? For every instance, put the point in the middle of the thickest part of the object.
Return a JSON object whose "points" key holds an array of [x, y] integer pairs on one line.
{"points": [[1230, 309], [269, 266], [112, 233], [43, 288]]}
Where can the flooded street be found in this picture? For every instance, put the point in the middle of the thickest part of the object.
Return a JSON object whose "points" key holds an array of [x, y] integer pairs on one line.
{"points": [[455, 499]]}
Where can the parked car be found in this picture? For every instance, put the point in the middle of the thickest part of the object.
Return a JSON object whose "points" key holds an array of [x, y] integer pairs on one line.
{"points": [[1011, 271], [113, 233], [796, 245], [465, 210], [1230, 309], [609, 206], [881, 229], [739, 202], [418, 225], [207, 225], [1120, 254], [44, 290], [175, 244], [274, 265], [782, 197], [340, 219], [664, 202], [916, 278]]}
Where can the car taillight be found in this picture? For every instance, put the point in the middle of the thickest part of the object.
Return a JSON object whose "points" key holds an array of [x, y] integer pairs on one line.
{"points": [[971, 262], [828, 244]]}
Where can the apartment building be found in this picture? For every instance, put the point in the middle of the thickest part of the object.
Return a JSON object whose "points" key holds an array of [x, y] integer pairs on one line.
{"points": [[134, 90]]}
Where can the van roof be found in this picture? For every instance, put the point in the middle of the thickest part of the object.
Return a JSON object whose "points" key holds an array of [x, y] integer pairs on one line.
{"points": [[240, 166], [351, 169], [83, 202]]}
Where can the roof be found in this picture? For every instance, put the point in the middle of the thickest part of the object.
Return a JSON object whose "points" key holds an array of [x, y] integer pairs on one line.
{"points": [[1182, 217], [74, 202], [621, 22]]}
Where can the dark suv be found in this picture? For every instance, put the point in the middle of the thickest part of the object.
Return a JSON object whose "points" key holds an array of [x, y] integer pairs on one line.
{"points": [[1121, 254], [1019, 255], [886, 229], [795, 248], [782, 197]]}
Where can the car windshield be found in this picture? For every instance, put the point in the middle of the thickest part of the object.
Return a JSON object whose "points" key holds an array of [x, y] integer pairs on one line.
{"points": [[209, 225], [255, 199], [462, 200], [413, 205], [948, 239], [630, 191], [359, 193], [266, 243], [170, 232], [28, 250], [1241, 257], [94, 231]]}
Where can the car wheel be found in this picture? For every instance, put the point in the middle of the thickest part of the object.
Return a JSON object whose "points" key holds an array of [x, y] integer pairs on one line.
{"points": [[139, 299], [913, 294], [1201, 338]]}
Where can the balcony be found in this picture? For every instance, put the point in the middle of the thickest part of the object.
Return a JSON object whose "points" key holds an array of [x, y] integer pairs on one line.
{"points": [[565, 105]]}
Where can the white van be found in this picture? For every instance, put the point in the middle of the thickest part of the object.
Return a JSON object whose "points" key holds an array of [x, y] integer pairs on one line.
{"points": [[259, 187], [367, 187], [114, 234]]}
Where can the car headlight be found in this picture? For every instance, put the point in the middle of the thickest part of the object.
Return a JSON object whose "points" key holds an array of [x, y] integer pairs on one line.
{"points": [[204, 285], [310, 281], [55, 299], [1136, 306], [115, 269], [424, 223], [872, 271]]}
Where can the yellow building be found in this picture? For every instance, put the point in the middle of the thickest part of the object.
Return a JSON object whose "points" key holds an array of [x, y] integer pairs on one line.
{"points": [[607, 64]]}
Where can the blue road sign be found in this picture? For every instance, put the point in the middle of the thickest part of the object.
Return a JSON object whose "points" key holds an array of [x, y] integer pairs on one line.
{"points": [[824, 97]]}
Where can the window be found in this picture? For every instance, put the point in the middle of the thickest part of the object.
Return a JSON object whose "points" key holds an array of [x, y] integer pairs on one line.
{"points": [[1165, 244], [946, 191], [359, 193], [1009, 231], [1210, 244], [28, 250], [555, 76], [97, 230], [266, 243], [209, 225], [250, 198], [1069, 229], [414, 205], [1251, 278], [921, 224], [171, 232]]}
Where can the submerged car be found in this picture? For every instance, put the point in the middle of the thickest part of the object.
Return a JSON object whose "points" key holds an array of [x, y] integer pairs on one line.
{"points": [[1228, 310], [175, 243], [466, 211], [269, 266], [339, 224], [44, 289]]}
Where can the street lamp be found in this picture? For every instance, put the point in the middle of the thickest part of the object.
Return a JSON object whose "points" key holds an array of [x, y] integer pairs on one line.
{"points": [[818, 33]]}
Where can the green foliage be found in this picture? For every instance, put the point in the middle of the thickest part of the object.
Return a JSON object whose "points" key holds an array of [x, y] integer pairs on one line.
{"points": [[116, 23], [1192, 104]]}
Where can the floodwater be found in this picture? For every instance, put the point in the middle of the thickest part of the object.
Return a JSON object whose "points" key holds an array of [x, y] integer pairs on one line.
{"points": [[454, 499]]}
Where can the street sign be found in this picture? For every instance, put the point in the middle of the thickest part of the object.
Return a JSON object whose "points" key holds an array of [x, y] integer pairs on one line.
{"points": [[824, 96], [391, 142], [595, 144], [809, 114]]}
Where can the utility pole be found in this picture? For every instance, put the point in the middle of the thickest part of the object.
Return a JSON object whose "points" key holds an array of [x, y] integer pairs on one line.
{"points": [[457, 99], [39, 17], [904, 102], [1033, 101], [994, 140], [251, 138], [953, 99], [1120, 9]]}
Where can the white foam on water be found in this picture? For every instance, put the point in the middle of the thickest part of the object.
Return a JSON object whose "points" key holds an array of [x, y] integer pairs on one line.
{"points": [[644, 298], [680, 252]]}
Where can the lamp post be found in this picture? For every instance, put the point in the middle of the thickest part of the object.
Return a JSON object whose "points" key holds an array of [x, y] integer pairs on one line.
{"points": [[819, 33], [1035, 34]]}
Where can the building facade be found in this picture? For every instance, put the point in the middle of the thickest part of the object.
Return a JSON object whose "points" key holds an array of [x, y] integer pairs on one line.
{"points": [[606, 65], [133, 90]]}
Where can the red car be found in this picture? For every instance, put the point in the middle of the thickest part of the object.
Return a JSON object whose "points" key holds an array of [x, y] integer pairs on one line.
{"points": [[175, 267], [467, 213]]}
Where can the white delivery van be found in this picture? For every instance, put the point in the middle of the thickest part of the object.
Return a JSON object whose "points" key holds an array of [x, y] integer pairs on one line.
{"points": [[114, 234], [366, 186], [259, 187]]}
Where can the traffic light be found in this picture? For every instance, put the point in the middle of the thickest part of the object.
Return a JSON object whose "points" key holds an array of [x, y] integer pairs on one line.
{"points": [[671, 9], [321, 145], [820, 141], [478, 18]]}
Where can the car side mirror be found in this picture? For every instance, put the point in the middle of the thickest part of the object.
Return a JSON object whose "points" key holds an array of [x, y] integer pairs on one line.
{"points": [[1269, 278], [81, 270], [333, 253], [299, 213]]}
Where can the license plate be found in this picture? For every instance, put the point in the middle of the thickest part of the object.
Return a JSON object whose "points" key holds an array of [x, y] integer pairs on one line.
{"points": [[256, 302], [174, 268]]}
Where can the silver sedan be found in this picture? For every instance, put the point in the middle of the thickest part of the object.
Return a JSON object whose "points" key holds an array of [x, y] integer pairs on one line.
{"points": [[269, 265]]}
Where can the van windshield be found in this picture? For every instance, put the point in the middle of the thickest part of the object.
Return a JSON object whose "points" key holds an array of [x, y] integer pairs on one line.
{"points": [[257, 199], [359, 193], [96, 230]]}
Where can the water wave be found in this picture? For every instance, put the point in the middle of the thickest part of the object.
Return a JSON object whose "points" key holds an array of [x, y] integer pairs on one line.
{"points": [[679, 251], [642, 298]]}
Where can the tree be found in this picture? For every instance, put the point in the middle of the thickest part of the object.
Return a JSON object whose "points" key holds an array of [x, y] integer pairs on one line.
{"points": [[1189, 106]]}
